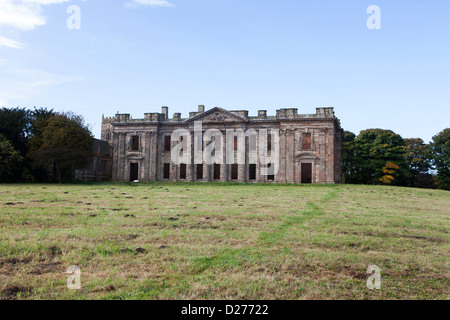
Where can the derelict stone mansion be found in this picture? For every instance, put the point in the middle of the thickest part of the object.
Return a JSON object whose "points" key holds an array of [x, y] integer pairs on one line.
{"points": [[309, 146]]}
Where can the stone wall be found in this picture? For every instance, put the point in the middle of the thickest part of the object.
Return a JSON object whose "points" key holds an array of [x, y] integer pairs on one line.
{"points": [[324, 154]]}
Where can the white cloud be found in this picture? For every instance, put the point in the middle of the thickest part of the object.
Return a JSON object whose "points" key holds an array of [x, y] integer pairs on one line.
{"points": [[17, 84], [149, 3], [24, 14], [6, 42]]}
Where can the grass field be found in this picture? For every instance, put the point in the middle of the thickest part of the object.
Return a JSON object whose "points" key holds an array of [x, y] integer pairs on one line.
{"points": [[223, 241]]}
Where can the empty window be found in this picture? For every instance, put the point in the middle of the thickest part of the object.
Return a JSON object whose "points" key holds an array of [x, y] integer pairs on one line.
{"points": [[252, 172], [183, 171], [135, 143], [235, 143], [269, 142], [234, 171], [166, 170], [167, 143], [199, 172], [306, 141], [216, 171]]}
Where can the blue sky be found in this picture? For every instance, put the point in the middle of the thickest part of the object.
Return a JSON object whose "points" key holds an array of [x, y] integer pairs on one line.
{"points": [[135, 56]]}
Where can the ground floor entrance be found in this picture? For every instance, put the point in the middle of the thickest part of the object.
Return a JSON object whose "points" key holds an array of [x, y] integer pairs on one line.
{"points": [[306, 173], [134, 171]]}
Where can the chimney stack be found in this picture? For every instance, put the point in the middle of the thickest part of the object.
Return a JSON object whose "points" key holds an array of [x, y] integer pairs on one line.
{"points": [[165, 112], [201, 108], [262, 114]]}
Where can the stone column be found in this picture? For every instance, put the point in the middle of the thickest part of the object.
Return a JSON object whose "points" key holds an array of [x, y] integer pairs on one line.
{"points": [[153, 158], [143, 175], [322, 156], [121, 156], [330, 156], [190, 167], [115, 154], [283, 157], [259, 177], [297, 135], [290, 156]]}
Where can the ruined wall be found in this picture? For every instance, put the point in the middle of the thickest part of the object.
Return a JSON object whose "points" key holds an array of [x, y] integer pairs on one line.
{"points": [[323, 157]]}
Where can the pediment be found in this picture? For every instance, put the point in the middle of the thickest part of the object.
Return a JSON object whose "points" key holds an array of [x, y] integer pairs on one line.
{"points": [[306, 155], [217, 115]]}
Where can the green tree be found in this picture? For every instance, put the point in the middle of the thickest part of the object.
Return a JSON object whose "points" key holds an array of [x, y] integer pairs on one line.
{"points": [[15, 126], [10, 158], [63, 143], [418, 158], [348, 158], [374, 148], [440, 148]]}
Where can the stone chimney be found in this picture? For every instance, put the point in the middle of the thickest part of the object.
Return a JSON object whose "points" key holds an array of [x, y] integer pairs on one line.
{"points": [[262, 114], [165, 112], [325, 112], [177, 116], [201, 108]]}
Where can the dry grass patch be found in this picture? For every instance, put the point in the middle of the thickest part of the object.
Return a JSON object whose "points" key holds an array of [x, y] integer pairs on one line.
{"points": [[223, 241]]}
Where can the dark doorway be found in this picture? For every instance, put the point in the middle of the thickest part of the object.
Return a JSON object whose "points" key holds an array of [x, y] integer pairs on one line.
{"points": [[216, 171], [183, 171], [166, 170], [306, 173], [234, 171], [199, 171], [134, 171], [252, 172]]}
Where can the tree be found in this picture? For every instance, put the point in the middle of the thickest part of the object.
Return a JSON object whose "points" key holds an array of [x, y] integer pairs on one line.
{"points": [[374, 148], [418, 158], [390, 173], [348, 157], [9, 159], [15, 126], [63, 143], [38, 121], [440, 148]]}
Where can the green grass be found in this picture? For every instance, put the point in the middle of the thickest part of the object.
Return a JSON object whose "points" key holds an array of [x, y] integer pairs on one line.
{"points": [[223, 241]]}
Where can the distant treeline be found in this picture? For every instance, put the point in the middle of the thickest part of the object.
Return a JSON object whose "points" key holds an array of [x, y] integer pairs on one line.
{"points": [[379, 156], [42, 145]]}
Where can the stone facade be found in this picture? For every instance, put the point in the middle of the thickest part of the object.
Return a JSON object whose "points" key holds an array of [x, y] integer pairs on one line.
{"points": [[309, 152]]}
